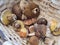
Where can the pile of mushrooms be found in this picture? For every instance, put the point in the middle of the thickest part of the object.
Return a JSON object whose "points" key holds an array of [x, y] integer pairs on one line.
{"points": [[23, 18]]}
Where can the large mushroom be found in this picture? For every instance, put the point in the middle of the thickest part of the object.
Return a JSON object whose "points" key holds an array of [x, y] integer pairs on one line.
{"points": [[31, 13]]}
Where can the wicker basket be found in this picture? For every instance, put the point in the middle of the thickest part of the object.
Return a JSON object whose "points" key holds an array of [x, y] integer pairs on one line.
{"points": [[48, 10]]}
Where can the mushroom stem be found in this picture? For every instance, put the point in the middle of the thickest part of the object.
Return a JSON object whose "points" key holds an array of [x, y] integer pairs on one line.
{"points": [[31, 34]]}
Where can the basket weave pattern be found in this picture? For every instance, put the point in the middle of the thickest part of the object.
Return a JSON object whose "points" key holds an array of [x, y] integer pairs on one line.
{"points": [[47, 10]]}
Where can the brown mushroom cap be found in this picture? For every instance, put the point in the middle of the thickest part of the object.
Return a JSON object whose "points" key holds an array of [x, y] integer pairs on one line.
{"points": [[42, 21], [31, 10], [34, 40], [40, 31], [17, 10]]}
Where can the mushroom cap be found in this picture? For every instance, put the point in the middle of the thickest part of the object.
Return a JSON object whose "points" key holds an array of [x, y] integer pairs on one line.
{"points": [[42, 21], [40, 31], [23, 33], [31, 10], [53, 24], [18, 25], [34, 40], [7, 17], [56, 32]]}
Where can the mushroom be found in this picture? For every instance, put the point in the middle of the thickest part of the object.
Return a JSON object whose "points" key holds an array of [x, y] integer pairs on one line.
{"points": [[42, 21], [34, 40], [17, 10], [53, 25], [31, 12], [23, 33], [40, 31], [7, 17], [56, 32], [18, 25], [20, 28]]}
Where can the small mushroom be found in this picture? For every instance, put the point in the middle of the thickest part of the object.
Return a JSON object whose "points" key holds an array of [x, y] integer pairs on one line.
{"points": [[18, 25], [40, 31], [20, 28], [7, 17], [42, 21], [17, 10], [53, 25], [23, 33], [34, 40], [56, 32]]}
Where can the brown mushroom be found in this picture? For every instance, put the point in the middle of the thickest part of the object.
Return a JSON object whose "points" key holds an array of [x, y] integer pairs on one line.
{"points": [[34, 40], [17, 10], [23, 33], [40, 31], [31, 10], [42, 21]]}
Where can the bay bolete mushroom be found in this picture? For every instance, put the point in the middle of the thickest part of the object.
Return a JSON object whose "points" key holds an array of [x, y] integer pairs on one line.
{"points": [[31, 10], [31, 13], [42, 21], [34, 40], [40, 31]]}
